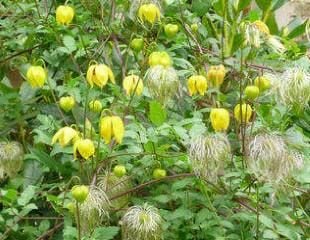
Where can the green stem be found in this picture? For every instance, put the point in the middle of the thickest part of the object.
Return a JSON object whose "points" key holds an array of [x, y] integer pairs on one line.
{"points": [[257, 211], [78, 220], [85, 111]]}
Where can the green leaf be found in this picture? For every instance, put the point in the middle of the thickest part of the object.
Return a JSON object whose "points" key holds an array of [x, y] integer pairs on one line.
{"points": [[157, 113], [299, 30], [26, 195], [263, 4], [105, 233], [243, 4], [201, 7], [69, 43]]}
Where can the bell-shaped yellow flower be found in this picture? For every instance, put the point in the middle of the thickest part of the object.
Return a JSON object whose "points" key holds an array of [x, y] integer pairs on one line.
{"points": [[216, 75], [262, 83], [262, 27], [95, 106], [243, 113], [64, 136], [36, 76], [149, 12], [99, 74], [84, 147], [67, 103], [160, 58], [219, 119], [197, 84], [133, 85], [112, 126], [64, 14]]}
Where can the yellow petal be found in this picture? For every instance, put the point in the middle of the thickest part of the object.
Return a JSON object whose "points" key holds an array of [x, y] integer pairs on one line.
{"points": [[106, 129], [118, 129], [101, 75], [86, 148], [91, 75], [219, 119], [127, 82], [111, 75], [191, 84], [201, 85], [57, 135]]}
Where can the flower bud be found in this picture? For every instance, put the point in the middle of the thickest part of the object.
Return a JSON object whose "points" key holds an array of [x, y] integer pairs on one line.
{"points": [[95, 106], [65, 135], [119, 171], [194, 27], [262, 83], [67, 103], [84, 147], [171, 30], [197, 84], [137, 44], [112, 126], [216, 75], [99, 74], [219, 119], [251, 92], [133, 85], [160, 58], [243, 113], [64, 14], [159, 173], [149, 12], [36, 76], [80, 193]]}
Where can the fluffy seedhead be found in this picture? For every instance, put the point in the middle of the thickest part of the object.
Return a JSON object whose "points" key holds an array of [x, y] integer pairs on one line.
{"points": [[141, 223], [270, 159], [208, 155]]}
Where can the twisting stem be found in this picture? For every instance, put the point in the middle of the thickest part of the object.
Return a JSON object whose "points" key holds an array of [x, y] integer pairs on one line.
{"points": [[78, 220]]}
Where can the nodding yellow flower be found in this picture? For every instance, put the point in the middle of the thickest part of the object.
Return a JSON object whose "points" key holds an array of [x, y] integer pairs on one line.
{"points": [[65, 135], [216, 75], [262, 27], [197, 84], [133, 84], [112, 126], [95, 106], [99, 74], [85, 147], [64, 14], [67, 103], [219, 119], [243, 113], [36, 76], [160, 58], [149, 12]]}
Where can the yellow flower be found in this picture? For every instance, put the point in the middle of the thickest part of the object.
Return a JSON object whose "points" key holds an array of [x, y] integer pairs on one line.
{"points": [[133, 84], [85, 147], [149, 12], [95, 106], [262, 27], [112, 126], [262, 83], [216, 75], [243, 113], [67, 103], [99, 74], [197, 83], [160, 58], [219, 119], [64, 14], [36, 76], [64, 136]]}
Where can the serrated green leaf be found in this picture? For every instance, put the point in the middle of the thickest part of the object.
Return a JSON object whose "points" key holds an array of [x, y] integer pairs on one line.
{"points": [[105, 233], [157, 113]]}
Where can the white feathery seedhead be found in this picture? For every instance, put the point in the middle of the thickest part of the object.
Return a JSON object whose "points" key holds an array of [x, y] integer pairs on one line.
{"points": [[252, 35], [208, 155], [141, 223], [275, 43], [11, 158], [95, 209], [270, 159], [162, 82]]}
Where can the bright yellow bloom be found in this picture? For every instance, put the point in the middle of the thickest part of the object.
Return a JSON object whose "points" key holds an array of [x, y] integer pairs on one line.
{"points": [[160, 58], [219, 119], [36, 76], [216, 75], [95, 106], [262, 27], [67, 103], [133, 84], [149, 12], [64, 136], [99, 74], [64, 14], [85, 147], [243, 113], [262, 83], [197, 84], [112, 126]]}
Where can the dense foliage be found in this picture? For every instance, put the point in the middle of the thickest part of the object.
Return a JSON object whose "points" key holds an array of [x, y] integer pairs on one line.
{"points": [[151, 119]]}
